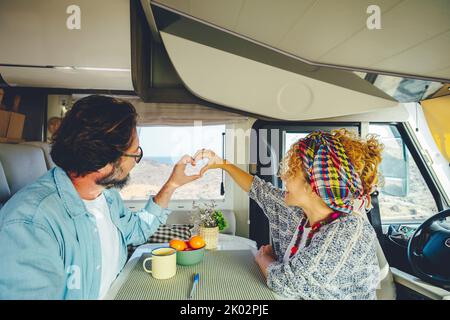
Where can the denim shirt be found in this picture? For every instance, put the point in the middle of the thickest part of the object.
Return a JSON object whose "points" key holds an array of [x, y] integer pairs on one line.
{"points": [[49, 243]]}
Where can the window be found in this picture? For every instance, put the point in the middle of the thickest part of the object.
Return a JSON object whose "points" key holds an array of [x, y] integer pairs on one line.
{"points": [[406, 89], [163, 147], [290, 138], [404, 194]]}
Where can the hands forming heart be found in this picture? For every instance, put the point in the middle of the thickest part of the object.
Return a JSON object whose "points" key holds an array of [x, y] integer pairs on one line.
{"points": [[189, 168], [213, 162], [192, 169]]}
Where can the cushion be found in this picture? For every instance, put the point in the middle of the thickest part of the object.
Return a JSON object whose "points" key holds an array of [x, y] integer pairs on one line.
{"points": [[165, 233], [22, 164], [46, 148]]}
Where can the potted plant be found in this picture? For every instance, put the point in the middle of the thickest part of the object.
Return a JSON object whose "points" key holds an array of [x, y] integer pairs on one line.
{"points": [[210, 221]]}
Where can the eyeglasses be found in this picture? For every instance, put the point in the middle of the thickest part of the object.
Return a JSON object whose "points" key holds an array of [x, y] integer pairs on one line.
{"points": [[137, 157]]}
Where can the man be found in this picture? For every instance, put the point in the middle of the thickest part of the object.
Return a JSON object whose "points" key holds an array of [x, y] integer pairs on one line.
{"points": [[65, 236]]}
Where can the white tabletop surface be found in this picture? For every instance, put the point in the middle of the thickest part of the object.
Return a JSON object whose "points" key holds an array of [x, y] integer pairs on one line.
{"points": [[226, 242]]}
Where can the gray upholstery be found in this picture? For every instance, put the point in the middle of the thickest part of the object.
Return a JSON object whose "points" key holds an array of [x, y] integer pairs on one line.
{"points": [[46, 149], [386, 290], [5, 193], [22, 164]]}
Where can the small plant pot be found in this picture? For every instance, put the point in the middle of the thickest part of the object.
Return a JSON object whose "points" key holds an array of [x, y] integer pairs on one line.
{"points": [[210, 235]]}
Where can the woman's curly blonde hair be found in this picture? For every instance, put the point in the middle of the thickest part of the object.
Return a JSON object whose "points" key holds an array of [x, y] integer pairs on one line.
{"points": [[364, 154]]}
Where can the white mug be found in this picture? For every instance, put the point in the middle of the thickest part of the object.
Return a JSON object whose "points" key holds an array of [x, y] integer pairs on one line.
{"points": [[164, 263]]}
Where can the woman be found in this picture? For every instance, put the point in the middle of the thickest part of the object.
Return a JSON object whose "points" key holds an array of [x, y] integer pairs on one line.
{"points": [[322, 247]]}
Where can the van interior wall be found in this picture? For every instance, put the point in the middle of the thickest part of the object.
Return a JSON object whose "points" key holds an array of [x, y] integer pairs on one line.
{"points": [[33, 104], [241, 151]]}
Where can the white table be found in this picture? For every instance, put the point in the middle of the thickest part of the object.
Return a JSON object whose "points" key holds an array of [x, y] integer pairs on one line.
{"points": [[226, 242]]}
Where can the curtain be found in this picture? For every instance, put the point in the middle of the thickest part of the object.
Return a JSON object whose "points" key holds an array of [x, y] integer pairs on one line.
{"points": [[164, 114]]}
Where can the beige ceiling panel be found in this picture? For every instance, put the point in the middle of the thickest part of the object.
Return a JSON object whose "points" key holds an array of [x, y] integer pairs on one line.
{"points": [[443, 72], [73, 79], [35, 33], [327, 24], [268, 21], [333, 32], [218, 12], [230, 80], [421, 59], [403, 27], [181, 5], [395, 114]]}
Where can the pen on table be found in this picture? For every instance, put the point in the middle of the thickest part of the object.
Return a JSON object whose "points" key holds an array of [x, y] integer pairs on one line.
{"points": [[196, 278]]}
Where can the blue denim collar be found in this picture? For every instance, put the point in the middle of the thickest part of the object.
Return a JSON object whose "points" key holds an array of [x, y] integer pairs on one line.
{"points": [[69, 195]]}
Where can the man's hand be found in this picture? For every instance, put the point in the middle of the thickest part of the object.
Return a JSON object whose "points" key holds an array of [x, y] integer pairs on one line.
{"points": [[176, 179], [178, 176], [264, 257]]}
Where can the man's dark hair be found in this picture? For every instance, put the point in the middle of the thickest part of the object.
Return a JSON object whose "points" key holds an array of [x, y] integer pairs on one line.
{"points": [[94, 132]]}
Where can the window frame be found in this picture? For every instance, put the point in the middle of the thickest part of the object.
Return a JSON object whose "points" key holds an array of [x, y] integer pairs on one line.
{"points": [[186, 204], [257, 221], [292, 127], [311, 126]]}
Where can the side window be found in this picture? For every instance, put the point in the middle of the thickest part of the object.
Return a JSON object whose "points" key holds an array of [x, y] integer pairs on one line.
{"points": [[404, 194]]}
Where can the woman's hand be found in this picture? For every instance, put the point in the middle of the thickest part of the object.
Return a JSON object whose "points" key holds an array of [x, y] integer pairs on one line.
{"points": [[264, 257], [242, 178], [214, 161]]}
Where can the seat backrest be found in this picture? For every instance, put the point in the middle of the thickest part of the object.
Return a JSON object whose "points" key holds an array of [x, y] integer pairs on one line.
{"points": [[46, 149], [22, 164], [5, 193], [387, 289]]}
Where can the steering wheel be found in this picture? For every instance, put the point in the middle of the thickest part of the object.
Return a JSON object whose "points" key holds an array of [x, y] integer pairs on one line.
{"points": [[429, 250]]}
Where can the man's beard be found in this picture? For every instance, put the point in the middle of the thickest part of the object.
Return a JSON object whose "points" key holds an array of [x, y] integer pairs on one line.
{"points": [[110, 181]]}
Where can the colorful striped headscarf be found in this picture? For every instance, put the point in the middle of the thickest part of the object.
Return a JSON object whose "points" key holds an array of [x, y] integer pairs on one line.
{"points": [[329, 170]]}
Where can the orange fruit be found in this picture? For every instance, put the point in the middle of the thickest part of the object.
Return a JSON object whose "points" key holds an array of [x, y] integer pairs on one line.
{"points": [[177, 244], [196, 242]]}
